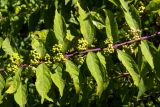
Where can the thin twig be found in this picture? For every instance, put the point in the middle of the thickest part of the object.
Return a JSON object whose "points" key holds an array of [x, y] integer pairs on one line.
{"points": [[1, 69], [126, 74], [68, 55], [132, 41]]}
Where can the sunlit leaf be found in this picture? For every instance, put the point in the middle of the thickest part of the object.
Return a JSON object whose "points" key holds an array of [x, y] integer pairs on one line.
{"points": [[135, 16], [42, 35], [153, 5], [147, 54], [124, 5], [115, 2], [66, 1], [157, 62], [2, 83], [130, 65], [86, 25], [130, 15], [131, 21], [38, 46], [13, 84], [3, 2], [59, 27], [142, 88], [93, 64], [1, 41], [146, 81], [21, 95], [60, 30], [98, 20], [98, 24], [101, 59], [43, 81], [74, 2], [57, 78], [6, 46], [111, 26], [73, 71], [103, 67]]}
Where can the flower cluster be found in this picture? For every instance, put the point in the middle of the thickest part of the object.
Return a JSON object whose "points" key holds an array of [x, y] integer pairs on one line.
{"points": [[82, 44], [57, 48], [35, 57], [135, 33], [129, 48], [79, 59], [48, 59], [14, 60], [59, 57], [57, 53], [141, 9], [109, 49]]}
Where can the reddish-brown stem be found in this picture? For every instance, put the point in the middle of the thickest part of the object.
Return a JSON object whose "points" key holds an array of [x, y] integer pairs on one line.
{"points": [[115, 46], [68, 55]]}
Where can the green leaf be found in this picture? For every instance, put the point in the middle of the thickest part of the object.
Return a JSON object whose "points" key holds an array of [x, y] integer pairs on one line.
{"points": [[74, 2], [42, 34], [2, 83], [98, 20], [130, 65], [6, 46], [3, 2], [115, 2], [131, 21], [131, 16], [1, 41], [101, 59], [147, 54], [103, 67], [93, 64], [21, 95], [135, 1], [60, 30], [13, 84], [59, 27], [135, 16], [50, 40], [57, 78], [111, 26], [43, 81], [124, 5], [67, 1], [156, 58], [86, 25], [73, 71], [153, 5], [98, 24], [38, 46], [142, 88], [146, 82], [13, 87]]}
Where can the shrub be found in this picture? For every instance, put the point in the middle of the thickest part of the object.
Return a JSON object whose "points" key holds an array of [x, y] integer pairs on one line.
{"points": [[79, 53]]}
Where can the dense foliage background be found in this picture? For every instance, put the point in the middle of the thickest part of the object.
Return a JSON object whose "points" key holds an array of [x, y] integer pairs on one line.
{"points": [[79, 53]]}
